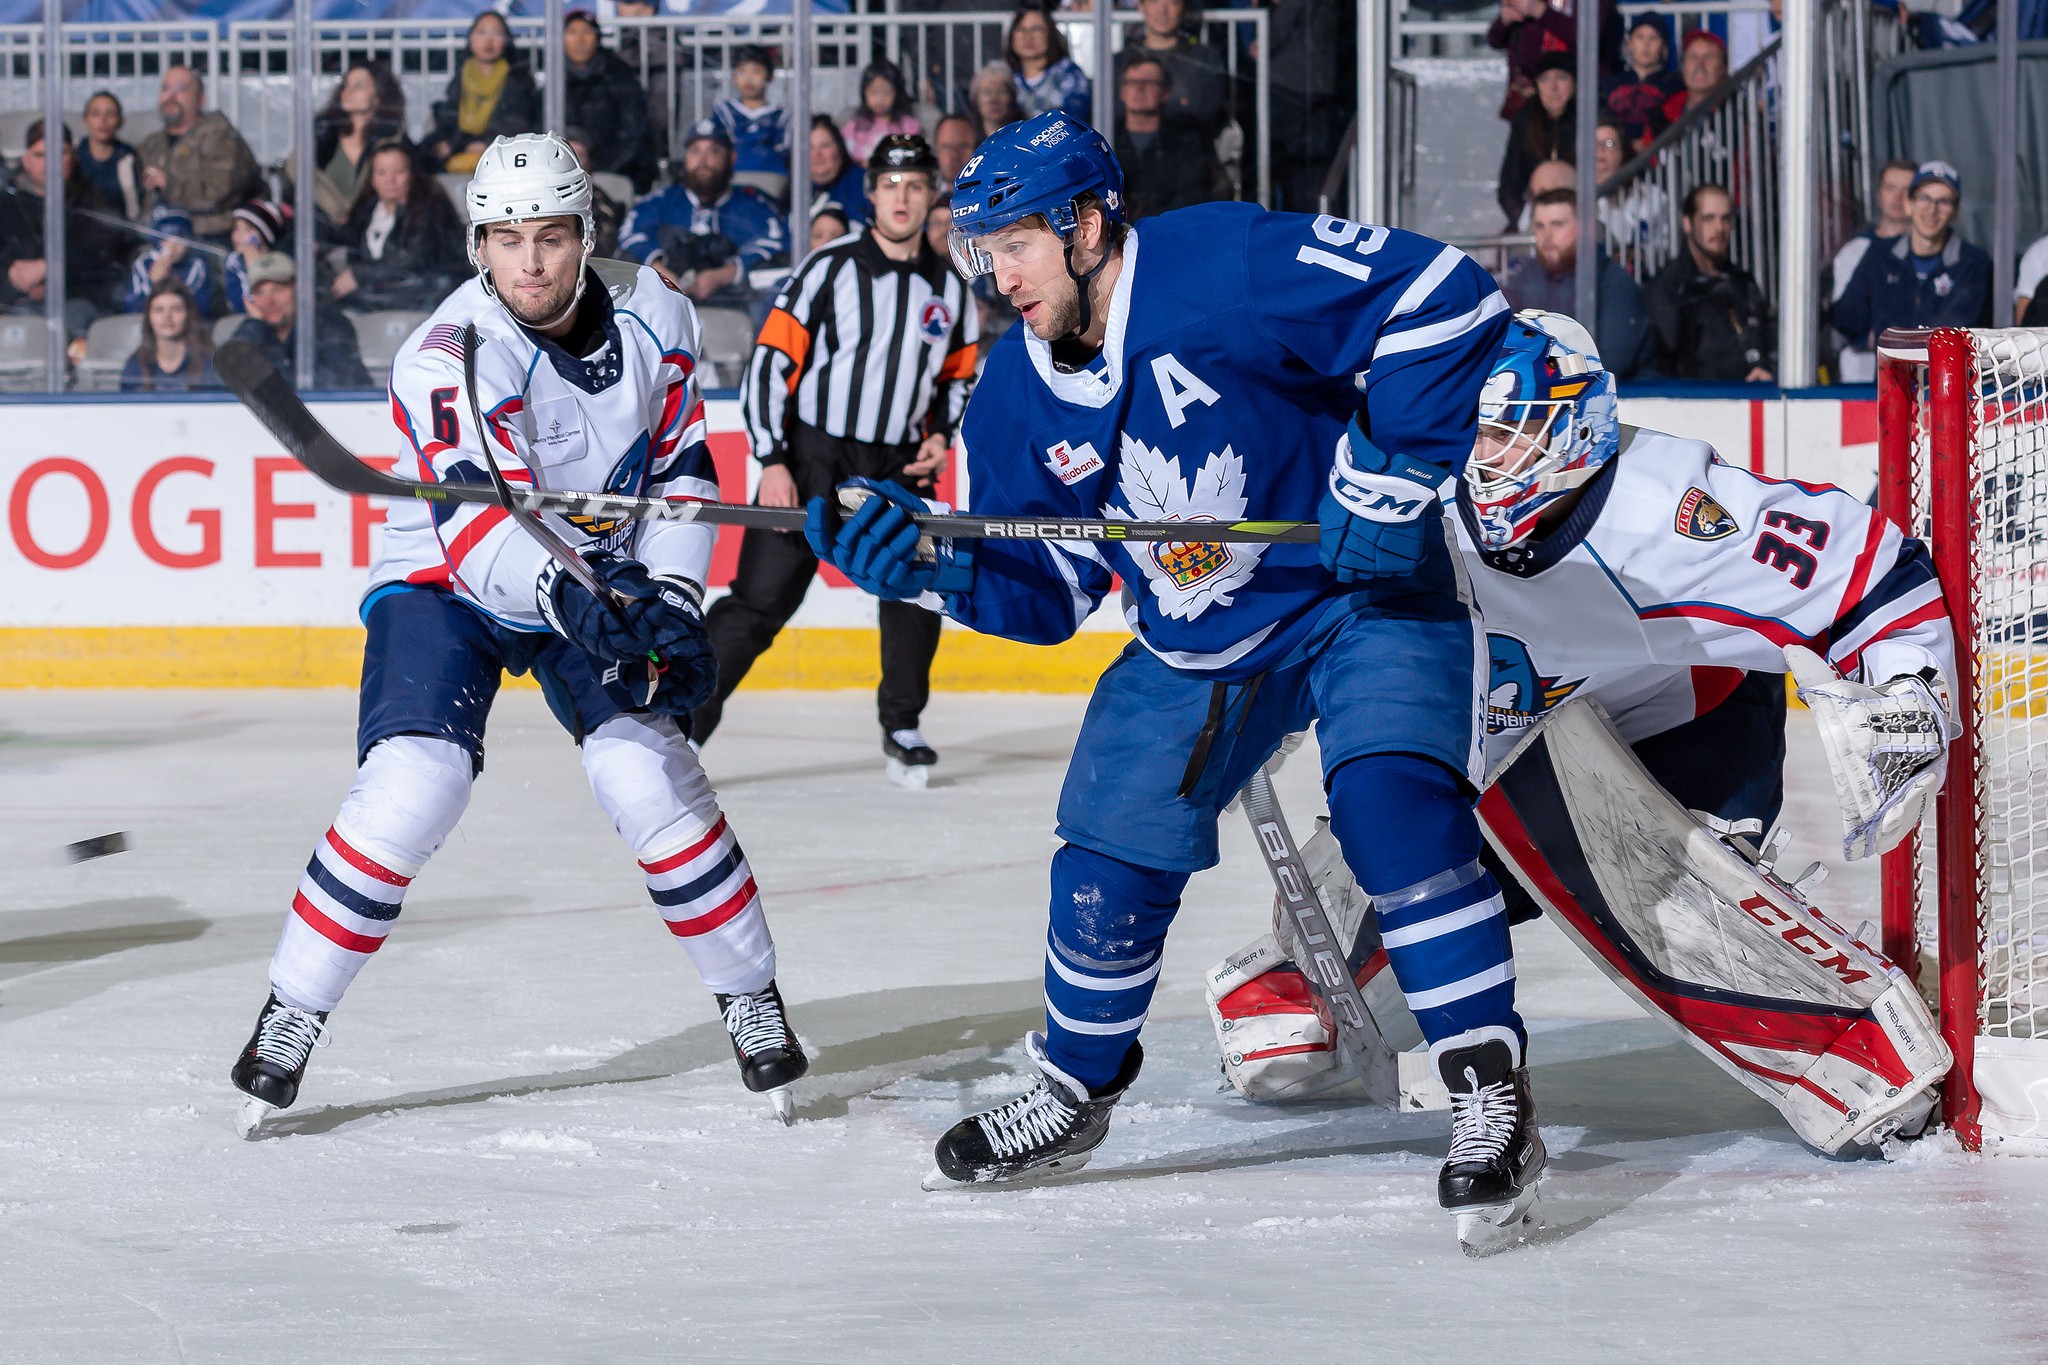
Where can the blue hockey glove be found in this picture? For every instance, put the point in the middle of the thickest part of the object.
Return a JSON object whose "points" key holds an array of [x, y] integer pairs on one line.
{"points": [[1379, 512], [876, 546], [659, 619], [685, 684]]}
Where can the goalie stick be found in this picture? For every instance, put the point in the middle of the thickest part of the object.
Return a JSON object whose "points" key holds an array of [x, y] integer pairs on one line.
{"points": [[1328, 969], [265, 392]]}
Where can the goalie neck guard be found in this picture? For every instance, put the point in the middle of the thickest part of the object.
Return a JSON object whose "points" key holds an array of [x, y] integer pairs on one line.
{"points": [[1547, 424]]}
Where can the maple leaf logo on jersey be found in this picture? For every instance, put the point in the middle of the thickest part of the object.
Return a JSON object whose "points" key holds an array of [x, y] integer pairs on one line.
{"points": [[1701, 518], [1187, 576]]}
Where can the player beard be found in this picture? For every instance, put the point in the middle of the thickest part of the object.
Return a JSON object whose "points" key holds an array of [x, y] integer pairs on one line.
{"points": [[553, 303], [1057, 314]]}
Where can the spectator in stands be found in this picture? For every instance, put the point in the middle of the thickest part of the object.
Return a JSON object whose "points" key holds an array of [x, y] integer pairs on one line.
{"points": [[1702, 70], [491, 95], [272, 328], [759, 130], [953, 141], [1710, 316], [1198, 81], [646, 50], [175, 354], [829, 223], [1633, 217], [1044, 75], [1927, 277], [169, 256], [109, 163], [1857, 364], [258, 231], [1530, 30], [603, 96], [993, 93], [93, 249], [367, 108], [1168, 161], [1647, 82], [1549, 280], [834, 177], [1308, 89], [609, 214], [1548, 175], [197, 161], [1541, 132], [405, 244], [705, 233], [2030, 287], [938, 225], [885, 109]]}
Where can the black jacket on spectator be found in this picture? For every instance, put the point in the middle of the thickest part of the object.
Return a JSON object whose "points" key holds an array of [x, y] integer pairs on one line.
{"points": [[518, 109], [1886, 291], [337, 360], [1533, 138], [1638, 101], [1200, 82], [1710, 326], [608, 220], [605, 100], [424, 256], [95, 256], [1168, 170]]}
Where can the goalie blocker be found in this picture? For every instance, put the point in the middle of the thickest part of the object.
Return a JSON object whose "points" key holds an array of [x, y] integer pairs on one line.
{"points": [[1766, 986]]}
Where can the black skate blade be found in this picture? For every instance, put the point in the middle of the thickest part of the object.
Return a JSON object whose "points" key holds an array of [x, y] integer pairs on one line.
{"points": [[1503, 1227], [1049, 1174]]}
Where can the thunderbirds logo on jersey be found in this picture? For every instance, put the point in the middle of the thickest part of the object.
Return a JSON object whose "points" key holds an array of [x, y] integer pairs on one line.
{"points": [[627, 477], [935, 319], [1186, 576], [1071, 464], [1701, 518], [1516, 694]]}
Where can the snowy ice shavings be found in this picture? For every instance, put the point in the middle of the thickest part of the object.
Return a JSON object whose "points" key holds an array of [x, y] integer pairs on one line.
{"points": [[533, 1140]]}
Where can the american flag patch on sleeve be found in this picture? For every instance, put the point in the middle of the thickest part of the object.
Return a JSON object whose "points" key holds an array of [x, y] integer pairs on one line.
{"points": [[446, 337]]}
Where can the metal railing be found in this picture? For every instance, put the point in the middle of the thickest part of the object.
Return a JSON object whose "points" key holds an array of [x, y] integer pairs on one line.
{"points": [[1336, 194]]}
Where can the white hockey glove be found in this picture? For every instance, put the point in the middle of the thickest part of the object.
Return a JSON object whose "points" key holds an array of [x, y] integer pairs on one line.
{"points": [[1887, 748]]}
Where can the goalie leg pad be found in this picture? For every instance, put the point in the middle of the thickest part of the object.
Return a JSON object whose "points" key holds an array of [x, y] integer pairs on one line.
{"points": [[1763, 984]]}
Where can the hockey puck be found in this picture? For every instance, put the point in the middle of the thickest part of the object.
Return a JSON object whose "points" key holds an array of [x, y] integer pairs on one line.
{"points": [[99, 847]]}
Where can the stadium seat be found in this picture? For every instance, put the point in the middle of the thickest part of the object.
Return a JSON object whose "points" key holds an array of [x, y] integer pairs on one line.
{"points": [[455, 184], [728, 338], [774, 184], [108, 344], [224, 327], [23, 354], [615, 185], [379, 336]]}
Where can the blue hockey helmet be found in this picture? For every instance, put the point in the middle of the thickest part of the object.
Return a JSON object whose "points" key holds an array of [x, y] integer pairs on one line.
{"points": [[1547, 423], [1040, 166]]}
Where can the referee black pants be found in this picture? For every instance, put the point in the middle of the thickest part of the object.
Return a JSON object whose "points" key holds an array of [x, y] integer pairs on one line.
{"points": [[775, 571]]}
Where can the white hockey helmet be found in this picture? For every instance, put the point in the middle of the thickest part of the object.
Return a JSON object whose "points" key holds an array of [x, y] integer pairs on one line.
{"points": [[532, 175]]}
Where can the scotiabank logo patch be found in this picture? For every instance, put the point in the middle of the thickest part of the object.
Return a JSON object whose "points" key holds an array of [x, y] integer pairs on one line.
{"points": [[1070, 464]]}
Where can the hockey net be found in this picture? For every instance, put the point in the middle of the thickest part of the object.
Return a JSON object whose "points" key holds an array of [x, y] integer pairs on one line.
{"points": [[1963, 463]]}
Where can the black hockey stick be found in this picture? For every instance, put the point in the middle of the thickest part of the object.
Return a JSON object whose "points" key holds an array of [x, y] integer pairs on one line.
{"points": [[572, 563], [1327, 968], [252, 378]]}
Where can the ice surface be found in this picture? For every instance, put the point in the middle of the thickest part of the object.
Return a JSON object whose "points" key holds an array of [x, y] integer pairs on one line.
{"points": [[528, 1140]]}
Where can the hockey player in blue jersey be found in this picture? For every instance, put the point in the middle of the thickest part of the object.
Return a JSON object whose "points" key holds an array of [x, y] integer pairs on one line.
{"points": [[1221, 362]]}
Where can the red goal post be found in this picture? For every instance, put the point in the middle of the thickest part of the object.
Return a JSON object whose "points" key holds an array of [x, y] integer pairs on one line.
{"points": [[1963, 463]]}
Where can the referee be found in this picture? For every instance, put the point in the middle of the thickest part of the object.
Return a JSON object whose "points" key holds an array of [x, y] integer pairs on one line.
{"points": [[862, 369]]}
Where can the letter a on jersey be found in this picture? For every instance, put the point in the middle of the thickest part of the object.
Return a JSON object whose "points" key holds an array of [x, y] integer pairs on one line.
{"points": [[1179, 390]]}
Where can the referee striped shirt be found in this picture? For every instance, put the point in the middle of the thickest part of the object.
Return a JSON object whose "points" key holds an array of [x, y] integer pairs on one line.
{"points": [[863, 348]]}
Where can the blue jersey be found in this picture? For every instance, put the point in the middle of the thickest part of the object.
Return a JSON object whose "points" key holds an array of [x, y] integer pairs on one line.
{"points": [[743, 215], [1239, 343], [760, 137]]}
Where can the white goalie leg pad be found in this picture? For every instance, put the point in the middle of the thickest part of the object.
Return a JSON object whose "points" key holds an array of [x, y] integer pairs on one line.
{"points": [[406, 799], [649, 781], [1886, 749], [1767, 987]]}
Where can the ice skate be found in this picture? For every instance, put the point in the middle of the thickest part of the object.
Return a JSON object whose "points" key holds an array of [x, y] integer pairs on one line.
{"points": [[1496, 1158], [910, 758], [1049, 1130], [274, 1061], [770, 1057]]}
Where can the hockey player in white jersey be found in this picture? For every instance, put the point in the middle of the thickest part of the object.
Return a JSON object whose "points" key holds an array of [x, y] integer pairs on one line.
{"points": [[579, 386], [1637, 569]]}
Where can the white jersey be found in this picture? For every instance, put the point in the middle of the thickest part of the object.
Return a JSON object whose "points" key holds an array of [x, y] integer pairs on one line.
{"points": [[1677, 573], [626, 418]]}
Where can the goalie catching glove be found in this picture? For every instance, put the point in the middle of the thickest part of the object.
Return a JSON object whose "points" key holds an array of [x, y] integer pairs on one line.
{"points": [[1887, 748]]}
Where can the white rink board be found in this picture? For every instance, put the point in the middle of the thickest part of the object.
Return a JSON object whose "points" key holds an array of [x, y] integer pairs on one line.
{"points": [[188, 514], [527, 1143]]}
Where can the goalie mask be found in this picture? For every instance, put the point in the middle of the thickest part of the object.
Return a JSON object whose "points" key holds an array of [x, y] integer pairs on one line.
{"points": [[1547, 424]]}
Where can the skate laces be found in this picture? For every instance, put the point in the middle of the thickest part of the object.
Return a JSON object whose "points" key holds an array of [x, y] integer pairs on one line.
{"points": [[288, 1036], [1482, 1119], [1036, 1117], [755, 1023], [909, 739]]}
